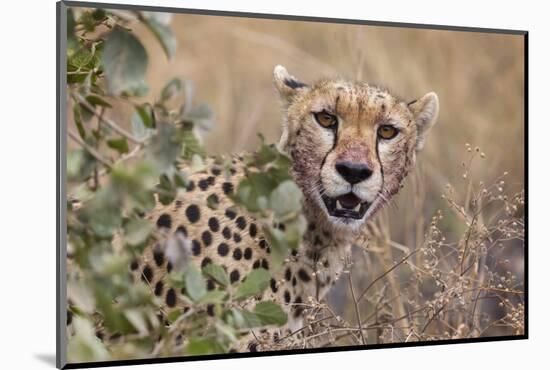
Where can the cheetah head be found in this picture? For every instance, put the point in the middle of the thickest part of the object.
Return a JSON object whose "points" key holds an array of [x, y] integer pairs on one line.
{"points": [[351, 144]]}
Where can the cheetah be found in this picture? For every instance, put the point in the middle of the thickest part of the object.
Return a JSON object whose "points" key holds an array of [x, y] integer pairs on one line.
{"points": [[351, 145]]}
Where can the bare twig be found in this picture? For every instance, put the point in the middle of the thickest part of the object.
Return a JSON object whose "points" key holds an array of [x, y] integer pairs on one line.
{"points": [[89, 149], [356, 306], [109, 122], [386, 273]]}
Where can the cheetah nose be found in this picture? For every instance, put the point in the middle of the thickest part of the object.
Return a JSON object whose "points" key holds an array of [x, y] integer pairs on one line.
{"points": [[353, 172]]}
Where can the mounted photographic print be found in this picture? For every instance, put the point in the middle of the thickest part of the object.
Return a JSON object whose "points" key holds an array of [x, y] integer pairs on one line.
{"points": [[235, 184]]}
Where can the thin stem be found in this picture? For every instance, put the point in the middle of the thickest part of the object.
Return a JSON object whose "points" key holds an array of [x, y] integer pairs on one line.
{"points": [[90, 150], [432, 319], [356, 306], [119, 130], [385, 273]]}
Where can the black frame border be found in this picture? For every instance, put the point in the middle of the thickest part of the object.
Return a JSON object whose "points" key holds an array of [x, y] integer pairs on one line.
{"points": [[61, 119]]}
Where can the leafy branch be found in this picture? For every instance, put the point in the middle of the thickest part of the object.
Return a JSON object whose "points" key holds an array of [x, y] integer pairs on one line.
{"points": [[117, 172]]}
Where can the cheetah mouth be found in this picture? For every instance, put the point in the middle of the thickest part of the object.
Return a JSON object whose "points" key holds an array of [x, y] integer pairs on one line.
{"points": [[346, 206]]}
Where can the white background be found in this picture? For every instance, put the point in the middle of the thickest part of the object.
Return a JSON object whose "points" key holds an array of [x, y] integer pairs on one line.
{"points": [[27, 199]]}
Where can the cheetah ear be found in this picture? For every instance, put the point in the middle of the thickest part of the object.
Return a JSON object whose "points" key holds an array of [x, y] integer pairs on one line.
{"points": [[425, 111], [286, 85]]}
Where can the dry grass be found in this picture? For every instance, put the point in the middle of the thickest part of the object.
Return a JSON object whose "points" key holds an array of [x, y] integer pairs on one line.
{"points": [[446, 287]]}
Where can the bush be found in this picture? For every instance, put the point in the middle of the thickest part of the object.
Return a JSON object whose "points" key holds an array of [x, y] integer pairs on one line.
{"points": [[114, 175]]}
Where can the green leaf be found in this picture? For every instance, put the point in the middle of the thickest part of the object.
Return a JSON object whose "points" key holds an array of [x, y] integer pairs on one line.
{"points": [[124, 60], [197, 164], [286, 199], [270, 313], [279, 244], [77, 115], [134, 183], [146, 114], [252, 189], [109, 264], [202, 116], [142, 122], [141, 89], [269, 154], [217, 273], [137, 319], [84, 346], [85, 113], [165, 147], [80, 165], [165, 190], [138, 128], [81, 295], [88, 21], [99, 15], [213, 296], [114, 318], [227, 331], [120, 145], [191, 146], [197, 347], [254, 283], [171, 89], [180, 180], [134, 178], [245, 319], [102, 213], [195, 285], [78, 78], [136, 231], [97, 100], [164, 35], [75, 159], [294, 230], [81, 58], [173, 315], [143, 200]]}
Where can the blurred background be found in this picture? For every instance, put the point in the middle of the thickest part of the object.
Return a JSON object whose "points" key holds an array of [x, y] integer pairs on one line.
{"points": [[479, 78]]}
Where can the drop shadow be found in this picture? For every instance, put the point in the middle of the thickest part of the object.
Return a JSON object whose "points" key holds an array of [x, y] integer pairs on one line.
{"points": [[47, 358]]}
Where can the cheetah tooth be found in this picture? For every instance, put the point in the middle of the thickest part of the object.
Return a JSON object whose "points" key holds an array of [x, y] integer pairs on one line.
{"points": [[357, 207], [338, 204]]}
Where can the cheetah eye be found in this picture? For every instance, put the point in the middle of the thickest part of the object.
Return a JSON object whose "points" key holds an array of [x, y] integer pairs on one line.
{"points": [[325, 119], [387, 132]]}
